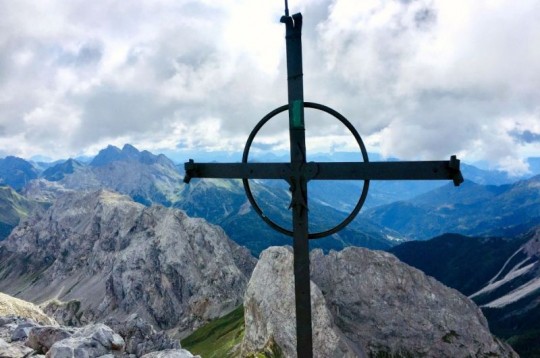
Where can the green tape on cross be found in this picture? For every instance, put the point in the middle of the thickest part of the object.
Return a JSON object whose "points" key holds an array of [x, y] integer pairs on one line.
{"points": [[297, 118]]}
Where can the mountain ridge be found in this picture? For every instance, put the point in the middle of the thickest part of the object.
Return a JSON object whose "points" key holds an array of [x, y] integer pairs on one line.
{"points": [[505, 283], [471, 209], [118, 257]]}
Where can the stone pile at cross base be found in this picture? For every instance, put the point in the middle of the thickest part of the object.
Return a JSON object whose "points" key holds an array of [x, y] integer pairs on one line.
{"points": [[365, 304]]}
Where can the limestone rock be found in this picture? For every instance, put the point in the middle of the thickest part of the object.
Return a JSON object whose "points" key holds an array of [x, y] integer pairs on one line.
{"points": [[42, 338], [140, 337], [22, 331], [13, 350], [11, 327], [94, 340], [13, 306], [67, 313], [43, 190], [171, 353], [270, 312], [118, 257], [388, 306], [373, 304]]}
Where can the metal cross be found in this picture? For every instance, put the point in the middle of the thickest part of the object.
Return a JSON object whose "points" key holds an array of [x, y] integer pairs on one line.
{"points": [[298, 172]]}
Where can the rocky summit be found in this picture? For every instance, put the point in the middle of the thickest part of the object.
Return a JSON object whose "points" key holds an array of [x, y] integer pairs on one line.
{"points": [[26, 331], [364, 304], [102, 256]]}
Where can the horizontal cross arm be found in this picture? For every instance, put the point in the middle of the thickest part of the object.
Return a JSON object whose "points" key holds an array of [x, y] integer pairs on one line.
{"points": [[236, 170], [423, 170]]}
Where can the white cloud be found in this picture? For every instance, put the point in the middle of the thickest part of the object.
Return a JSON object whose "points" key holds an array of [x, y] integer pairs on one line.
{"points": [[419, 79]]}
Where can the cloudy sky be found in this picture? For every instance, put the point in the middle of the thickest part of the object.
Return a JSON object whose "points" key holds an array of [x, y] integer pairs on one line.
{"points": [[419, 79]]}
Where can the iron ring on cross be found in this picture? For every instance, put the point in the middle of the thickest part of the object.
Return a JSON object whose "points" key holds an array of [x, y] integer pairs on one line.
{"points": [[365, 187]]}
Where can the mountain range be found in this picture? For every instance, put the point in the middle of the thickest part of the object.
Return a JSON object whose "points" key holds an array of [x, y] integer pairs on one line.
{"points": [[470, 209], [500, 274], [154, 179], [84, 228], [118, 257]]}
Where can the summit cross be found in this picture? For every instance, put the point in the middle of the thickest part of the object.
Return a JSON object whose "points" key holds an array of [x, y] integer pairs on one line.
{"points": [[298, 172]]}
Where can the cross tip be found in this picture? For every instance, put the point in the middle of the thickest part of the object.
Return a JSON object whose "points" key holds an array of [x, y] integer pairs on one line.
{"points": [[454, 164], [189, 166]]}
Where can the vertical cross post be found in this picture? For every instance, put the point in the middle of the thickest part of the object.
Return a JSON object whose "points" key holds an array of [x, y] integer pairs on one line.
{"points": [[298, 183]]}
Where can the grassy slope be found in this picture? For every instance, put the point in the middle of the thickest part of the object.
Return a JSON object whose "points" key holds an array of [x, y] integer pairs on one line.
{"points": [[222, 337], [13, 208], [217, 338]]}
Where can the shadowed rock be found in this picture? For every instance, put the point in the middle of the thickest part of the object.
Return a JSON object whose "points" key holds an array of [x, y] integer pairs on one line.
{"points": [[41, 339], [365, 303]]}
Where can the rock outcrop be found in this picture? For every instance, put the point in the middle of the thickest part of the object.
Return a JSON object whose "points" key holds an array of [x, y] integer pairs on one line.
{"points": [[117, 257], [270, 311], [365, 303], [140, 337], [13, 306], [92, 341]]}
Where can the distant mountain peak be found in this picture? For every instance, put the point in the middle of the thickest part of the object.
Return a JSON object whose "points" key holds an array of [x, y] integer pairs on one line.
{"points": [[127, 153], [16, 172], [128, 148], [58, 171], [106, 156]]}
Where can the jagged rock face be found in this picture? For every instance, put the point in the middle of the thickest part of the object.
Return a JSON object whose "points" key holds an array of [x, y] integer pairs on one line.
{"points": [[44, 190], [516, 285], [376, 305], [140, 337], [146, 177], [270, 312], [386, 305], [118, 257]]}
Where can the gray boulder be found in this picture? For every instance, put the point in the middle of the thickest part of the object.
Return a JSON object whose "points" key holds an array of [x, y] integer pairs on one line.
{"points": [[41, 338], [14, 350], [270, 313], [66, 313], [140, 337], [90, 341], [171, 353], [22, 331], [365, 303]]}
